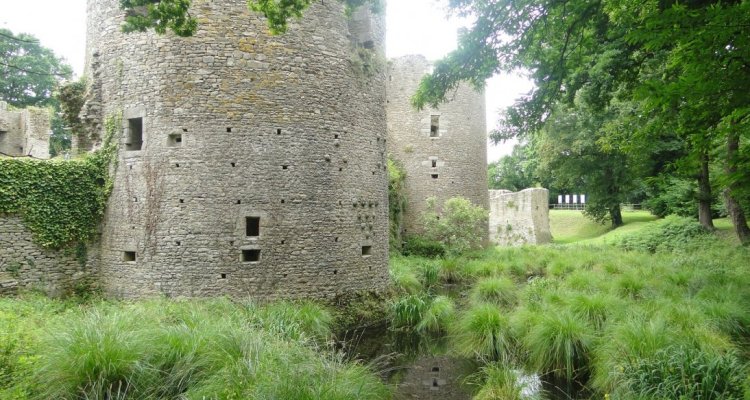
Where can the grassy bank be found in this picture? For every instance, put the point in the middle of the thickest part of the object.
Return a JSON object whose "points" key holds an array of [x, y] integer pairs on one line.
{"points": [[161, 349], [669, 318]]}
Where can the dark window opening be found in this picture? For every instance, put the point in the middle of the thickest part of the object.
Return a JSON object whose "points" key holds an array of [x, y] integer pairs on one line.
{"points": [[435, 383], [284, 167], [335, 271], [128, 256], [234, 165], [134, 140], [283, 201], [434, 176], [434, 163], [250, 255], [178, 243], [229, 130], [283, 242], [435, 369], [336, 136], [182, 201], [336, 239], [252, 226], [135, 199], [177, 165], [278, 131], [435, 126], [223, 276], [239, 201], [184, 130], [369, 44], [174, 140], [366, 250]]}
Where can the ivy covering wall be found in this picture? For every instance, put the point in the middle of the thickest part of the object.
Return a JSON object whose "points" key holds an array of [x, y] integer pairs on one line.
{"points": [[60, 201]]}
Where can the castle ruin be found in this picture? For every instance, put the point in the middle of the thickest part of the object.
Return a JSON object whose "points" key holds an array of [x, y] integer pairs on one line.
{"points": [[24, 132], [443, 151], [519, 218]]}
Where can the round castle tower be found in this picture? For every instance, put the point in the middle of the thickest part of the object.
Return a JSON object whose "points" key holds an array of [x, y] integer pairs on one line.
{"points": [[249, 164], [443, 151]]}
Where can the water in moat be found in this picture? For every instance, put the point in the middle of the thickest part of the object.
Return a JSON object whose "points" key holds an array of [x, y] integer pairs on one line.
{"points": [[422, 368]]}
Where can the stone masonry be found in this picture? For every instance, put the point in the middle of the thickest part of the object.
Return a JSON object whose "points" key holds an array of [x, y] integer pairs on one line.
{"points": [[249, 164], [518, 218], [444, 151], [24, 132]]}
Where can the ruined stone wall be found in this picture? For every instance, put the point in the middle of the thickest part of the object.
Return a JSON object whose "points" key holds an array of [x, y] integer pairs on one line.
{"points": [[236, 125], [518, 218], [24, 132], [26, 265], [442, 163]]}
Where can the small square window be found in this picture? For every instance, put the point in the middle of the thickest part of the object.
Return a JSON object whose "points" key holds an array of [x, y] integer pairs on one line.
{"points": [[174, 140], [434, 163], [366, 250], [250, 255], [252, 226], [128, 256], [434, 176]]}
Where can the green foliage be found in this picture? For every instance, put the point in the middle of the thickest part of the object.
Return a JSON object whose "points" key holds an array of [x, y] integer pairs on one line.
{"points": [[513, 172], [438, 315], [423, 247], [174, 15], [396, 203], [61, 202], [670, 234], [166, 349], [71, 96], [29, 73], [407, 311], [685, 373], [672, 196], [496, 290], [460, 226], [483, 331], [501, 382]]}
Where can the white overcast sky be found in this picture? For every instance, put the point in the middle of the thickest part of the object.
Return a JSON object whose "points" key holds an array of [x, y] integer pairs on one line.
{"points": [[414, 27]]}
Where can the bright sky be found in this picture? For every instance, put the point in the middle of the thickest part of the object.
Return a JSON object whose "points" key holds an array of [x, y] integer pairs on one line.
{"points": [[414, 27]]}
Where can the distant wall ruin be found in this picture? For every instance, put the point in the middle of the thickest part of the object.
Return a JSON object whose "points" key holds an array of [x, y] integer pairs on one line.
{"points": [[24, 132], [518, 218]]}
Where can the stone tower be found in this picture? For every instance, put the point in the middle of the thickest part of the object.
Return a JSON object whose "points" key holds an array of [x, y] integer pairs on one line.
{"points": [[249, 164], [444, 151]]}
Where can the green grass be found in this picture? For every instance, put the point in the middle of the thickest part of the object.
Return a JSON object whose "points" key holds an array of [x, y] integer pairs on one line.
{"points": [[569, 226]]}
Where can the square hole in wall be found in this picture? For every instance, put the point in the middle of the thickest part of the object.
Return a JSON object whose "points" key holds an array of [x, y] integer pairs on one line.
{"points": [[250, 255], [229, 130], [434, 176], [278, 131], [223, 276], [174, 140], [284, 167], [128, 256], [434, 125], [366, 250], [434, 163], [134, 140], [252, 226]]}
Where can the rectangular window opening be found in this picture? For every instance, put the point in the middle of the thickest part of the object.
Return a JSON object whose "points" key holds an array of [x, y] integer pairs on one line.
{"points": [[174, 140], [128, 256], [434, 126], [366, 250], [134, 140], [434, 163], [229, 130], [250, 255], [278, 131], [252, 226], [434, 176]]}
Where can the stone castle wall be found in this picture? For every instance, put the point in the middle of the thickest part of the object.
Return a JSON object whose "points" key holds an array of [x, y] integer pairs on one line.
{"points": [[262, 168], [518, 218], [442, 162], [24, 132], [25, 265]]}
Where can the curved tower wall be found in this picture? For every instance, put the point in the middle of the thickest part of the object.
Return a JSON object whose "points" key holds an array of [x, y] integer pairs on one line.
{"points": [[262, 165], [444, 151]]}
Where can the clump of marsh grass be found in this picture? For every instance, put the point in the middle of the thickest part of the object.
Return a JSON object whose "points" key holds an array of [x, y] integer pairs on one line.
{"points": [[558, 342], [595, 308], [438, 315], [407, 312], [501, 382], [484, 332], [496, 290]]}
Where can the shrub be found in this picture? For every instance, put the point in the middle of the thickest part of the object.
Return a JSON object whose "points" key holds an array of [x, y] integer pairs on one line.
{"points": [[460, 227], [680, 372], [667, 235], [423, 247]]}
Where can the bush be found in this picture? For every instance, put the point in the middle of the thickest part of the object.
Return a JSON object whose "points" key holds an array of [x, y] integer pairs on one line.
{"points": [[680, 372], [460, 227], [670, 234], [423, 247]]}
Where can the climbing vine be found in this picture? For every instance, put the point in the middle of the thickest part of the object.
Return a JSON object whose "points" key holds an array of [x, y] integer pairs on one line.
{"points": [[396, 203], [60, 202]]}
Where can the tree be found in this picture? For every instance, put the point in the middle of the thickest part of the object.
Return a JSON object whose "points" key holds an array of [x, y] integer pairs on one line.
{"points": [[29, 73], [29, 76], [684, 65], [512, 172]]}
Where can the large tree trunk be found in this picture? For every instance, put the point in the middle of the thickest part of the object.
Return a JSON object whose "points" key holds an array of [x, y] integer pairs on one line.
{"points": [[704, 194], [734, 208], [616, 215]]}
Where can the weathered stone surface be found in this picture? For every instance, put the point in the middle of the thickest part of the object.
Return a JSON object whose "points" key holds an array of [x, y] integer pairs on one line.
{"points": [[237, 123], [518, 218], [24, 132], [447, 163], [23, 264]]}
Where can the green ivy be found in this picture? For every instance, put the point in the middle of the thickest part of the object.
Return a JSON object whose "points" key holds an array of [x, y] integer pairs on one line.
{"points": [[61, 202]]}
